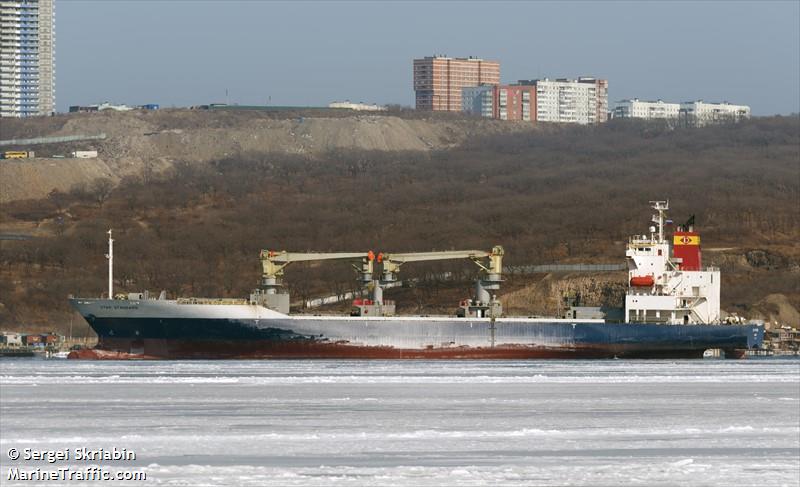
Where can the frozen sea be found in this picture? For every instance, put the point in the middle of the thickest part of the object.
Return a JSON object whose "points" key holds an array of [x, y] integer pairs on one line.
{"points": [[420, 423]]}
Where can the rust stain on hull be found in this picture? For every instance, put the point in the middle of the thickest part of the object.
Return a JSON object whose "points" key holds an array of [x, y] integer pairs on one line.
{"points": [[153, 349]]}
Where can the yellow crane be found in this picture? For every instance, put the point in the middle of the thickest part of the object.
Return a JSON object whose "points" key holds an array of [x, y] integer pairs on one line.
{"points": [[393, 261], [275, 262], [491, 269]]}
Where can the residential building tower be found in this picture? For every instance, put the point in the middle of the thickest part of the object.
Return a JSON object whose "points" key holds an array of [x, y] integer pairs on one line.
{"points": [[582, 101], [439, 80], [27, 58]]}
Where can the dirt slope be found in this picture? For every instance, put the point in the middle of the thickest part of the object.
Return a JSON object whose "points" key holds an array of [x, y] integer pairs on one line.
{"points": [[139, 139]]}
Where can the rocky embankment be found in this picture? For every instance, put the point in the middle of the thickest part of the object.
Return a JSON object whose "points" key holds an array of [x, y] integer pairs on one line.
{"points": [[546, 296]]}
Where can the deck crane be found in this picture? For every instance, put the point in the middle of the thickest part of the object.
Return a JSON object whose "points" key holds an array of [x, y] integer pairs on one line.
{"points": [[483, 304], [274, 263]]}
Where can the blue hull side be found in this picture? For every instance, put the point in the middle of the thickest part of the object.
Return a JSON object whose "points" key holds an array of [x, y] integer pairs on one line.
{"points": [[443, 338]]}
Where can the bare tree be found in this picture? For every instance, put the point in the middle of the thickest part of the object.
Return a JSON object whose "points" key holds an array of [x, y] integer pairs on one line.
{"points": [[101, 189]]}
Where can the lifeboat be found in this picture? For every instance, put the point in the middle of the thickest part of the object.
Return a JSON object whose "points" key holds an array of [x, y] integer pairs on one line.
{"points": [[642, 281]]}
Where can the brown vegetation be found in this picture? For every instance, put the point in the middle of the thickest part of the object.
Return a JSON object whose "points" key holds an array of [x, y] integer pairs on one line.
{"points": [[560, 194]]}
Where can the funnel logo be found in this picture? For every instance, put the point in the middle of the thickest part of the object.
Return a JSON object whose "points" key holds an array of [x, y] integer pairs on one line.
{"points": [[686, 240]]}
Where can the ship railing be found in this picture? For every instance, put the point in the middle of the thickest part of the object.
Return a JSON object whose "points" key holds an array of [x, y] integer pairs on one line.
{"points": [[642, 241], [652, 319], [533, 269], [695, 300], [224, 301]]}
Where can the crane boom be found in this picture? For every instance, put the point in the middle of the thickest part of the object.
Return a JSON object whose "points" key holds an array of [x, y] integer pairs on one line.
{"points": [[393, 261], [274, 262], [483, 304], [284, 256], [423, 256]]}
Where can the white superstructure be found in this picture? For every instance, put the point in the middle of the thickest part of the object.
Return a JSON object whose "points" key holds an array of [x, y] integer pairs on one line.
{"points": [[27, 59], [648, 110], [660, 290]]}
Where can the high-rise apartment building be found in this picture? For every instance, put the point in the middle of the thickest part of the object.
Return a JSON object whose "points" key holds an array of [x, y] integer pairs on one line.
{"points": [[581, 101], [438, 80], [503, 102], [27, 58]]}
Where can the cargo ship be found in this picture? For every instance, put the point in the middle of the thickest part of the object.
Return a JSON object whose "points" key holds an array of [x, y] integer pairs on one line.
{"points": [[671, 310]]}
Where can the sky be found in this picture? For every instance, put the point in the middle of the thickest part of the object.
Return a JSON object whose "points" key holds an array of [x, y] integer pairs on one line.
{"points": [[182, 53]]}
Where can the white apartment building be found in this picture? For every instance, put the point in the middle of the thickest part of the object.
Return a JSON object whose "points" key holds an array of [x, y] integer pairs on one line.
{"points": [[478, 100], [700, 113], [27, 58], [648, 110], [582, 101]]}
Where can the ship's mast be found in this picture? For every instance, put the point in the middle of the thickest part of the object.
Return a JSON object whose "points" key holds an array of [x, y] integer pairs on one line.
{"points": [[661, 207], [110, 257]]}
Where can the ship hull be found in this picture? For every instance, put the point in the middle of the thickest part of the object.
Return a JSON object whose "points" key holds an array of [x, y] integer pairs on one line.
{"points": [[166, 330], [155, 349]]}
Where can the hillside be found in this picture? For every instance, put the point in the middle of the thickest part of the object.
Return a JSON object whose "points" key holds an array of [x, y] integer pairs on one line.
{"points": [[547, 194], [143, 142]]}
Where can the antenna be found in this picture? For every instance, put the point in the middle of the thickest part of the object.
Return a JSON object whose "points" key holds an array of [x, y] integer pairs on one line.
{"points": [[110, 257], [661, 207]]}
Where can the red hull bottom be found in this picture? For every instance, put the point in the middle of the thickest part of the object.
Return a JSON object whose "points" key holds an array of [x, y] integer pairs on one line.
{"points": [[100, 354], [125, 349]]}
